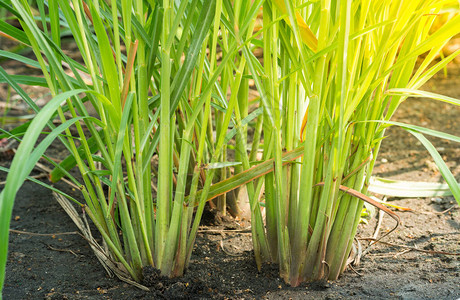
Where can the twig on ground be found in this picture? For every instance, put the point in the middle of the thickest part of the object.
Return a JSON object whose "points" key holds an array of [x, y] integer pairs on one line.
{"points": [[438, 213], [354, 270], [43, 234], [402, 252], [61, 250], [227, 252], [410, 248]]}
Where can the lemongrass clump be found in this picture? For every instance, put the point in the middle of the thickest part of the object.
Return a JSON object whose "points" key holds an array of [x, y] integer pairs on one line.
{"points": [[328, 83], [150, 69]]}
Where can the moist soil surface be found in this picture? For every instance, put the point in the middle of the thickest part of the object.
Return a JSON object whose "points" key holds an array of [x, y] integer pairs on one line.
{"points": [[48, 259]]}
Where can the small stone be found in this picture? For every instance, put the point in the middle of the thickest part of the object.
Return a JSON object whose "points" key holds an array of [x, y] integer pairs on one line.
{"points": [[18, 255], [436, 200]]}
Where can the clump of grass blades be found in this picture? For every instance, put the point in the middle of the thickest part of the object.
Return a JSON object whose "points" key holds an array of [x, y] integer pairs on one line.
{"points": [[158, 90], [151, 82], [334, 95]]}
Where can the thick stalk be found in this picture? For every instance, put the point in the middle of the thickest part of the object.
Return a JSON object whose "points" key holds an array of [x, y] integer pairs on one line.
{"points": [[164, 166]]}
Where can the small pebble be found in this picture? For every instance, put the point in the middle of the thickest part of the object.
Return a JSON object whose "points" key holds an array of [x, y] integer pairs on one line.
{"points": [[436, 200]]}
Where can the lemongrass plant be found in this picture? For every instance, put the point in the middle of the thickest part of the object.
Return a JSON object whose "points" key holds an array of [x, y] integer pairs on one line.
{"points": [[333, 74], [148, 74], [154, 88]]}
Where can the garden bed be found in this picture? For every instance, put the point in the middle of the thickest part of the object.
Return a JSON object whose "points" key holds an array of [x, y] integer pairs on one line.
{"points": [[47, 259]]}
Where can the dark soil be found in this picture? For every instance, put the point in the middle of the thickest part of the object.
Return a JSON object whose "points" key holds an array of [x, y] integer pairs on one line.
{"points": [[48, 259], [62, 266]]}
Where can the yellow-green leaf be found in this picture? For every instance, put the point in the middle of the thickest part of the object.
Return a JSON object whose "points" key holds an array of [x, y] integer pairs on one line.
{"points": [[308, 37]]}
